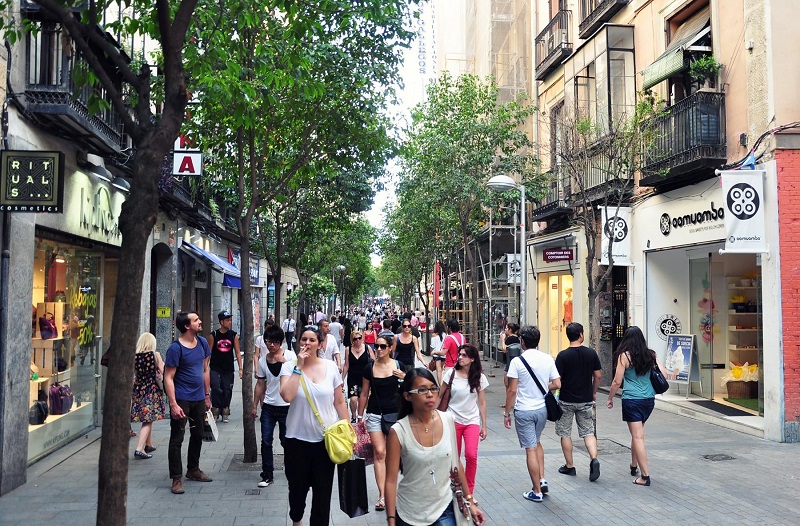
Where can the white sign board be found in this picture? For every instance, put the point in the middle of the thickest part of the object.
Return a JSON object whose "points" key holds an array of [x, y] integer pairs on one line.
{"points": [[744, 211], [186, 161], [616, 235], [514, 262]]}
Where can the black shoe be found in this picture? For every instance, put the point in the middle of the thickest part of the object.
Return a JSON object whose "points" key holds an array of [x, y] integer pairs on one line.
{"points": [[634, 470], [645, 480], [594, 470], [564, 470], [265, 481], [149, 449]]}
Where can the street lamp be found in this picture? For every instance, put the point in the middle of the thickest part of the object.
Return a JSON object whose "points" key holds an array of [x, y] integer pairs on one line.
{"points": [[503, 183]]}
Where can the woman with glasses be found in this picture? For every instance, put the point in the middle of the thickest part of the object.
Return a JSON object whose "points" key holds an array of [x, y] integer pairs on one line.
{"points": [[424, 441], [310, 468], [406, 347], [468, 406], [379, 397], [356, 360]]}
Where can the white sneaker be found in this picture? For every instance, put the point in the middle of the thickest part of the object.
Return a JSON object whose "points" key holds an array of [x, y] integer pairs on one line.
{"points": [[225, 419]]}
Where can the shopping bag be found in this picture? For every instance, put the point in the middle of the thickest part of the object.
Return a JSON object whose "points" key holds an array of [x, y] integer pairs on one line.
{"points": [[210, 431], [353, 487], [363, 448]]}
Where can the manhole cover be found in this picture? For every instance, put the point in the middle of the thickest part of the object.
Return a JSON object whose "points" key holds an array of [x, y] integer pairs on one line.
{"points": [[606, 447], [237, 463], [718, 457], [252, 492]]}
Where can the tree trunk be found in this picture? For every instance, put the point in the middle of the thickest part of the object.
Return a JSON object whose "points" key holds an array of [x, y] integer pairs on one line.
{"points": [[138, 216], [247, 343]]}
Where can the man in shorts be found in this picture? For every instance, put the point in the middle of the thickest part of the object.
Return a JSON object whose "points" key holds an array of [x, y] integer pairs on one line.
{"points": [[580, 370], [530, 413]]}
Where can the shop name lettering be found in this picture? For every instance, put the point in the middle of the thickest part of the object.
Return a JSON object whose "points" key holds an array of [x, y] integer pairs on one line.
{"points": [[696, 218], [79, 299], [43, 180], [56, 439], [96, 213]]}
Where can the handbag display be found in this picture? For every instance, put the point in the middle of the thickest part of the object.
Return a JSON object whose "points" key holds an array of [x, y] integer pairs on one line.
{"points": [[353, 487], [210, 430], [660, 384], [363, 448], [38, 413], [554, 411], [339, 438], [444, 394], [61, 399]]}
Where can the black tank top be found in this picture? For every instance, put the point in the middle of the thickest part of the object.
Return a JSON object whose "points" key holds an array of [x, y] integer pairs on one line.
{"points": [[222, 355], [405, 352]]}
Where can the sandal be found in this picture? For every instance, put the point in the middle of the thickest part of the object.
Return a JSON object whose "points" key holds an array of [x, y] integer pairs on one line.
{"points": [[634, 470], [380, 505], [644, 478], [133, 433]]}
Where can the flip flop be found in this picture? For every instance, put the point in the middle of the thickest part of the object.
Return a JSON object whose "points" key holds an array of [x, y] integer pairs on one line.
{"points": [[133, 433]]}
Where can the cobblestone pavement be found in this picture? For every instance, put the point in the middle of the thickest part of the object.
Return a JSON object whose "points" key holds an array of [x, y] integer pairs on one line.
{"points": [[701, 474]]}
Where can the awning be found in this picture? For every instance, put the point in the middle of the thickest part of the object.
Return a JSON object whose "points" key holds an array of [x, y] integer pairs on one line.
{"points": [[672, 60], [231, 277]]}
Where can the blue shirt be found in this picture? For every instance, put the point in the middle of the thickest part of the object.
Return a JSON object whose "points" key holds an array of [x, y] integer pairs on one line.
{"points": [[637, 387], [190, 385]]}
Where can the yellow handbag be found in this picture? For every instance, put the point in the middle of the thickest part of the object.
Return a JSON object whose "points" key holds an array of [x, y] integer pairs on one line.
{"points": [[339, 438]]}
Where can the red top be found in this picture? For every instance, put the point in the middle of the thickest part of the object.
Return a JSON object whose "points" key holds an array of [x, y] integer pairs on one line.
{"points": [[369, 336], [451, 344]]}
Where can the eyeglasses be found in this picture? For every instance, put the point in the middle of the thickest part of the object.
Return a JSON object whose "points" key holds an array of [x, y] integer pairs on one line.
{"points": [[381, 346], [406, 326], [275, 342], [356, 338], [424, 390]]}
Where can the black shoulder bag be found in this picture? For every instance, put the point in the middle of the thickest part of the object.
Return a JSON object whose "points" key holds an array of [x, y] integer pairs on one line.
{"points": [[554, 411]]}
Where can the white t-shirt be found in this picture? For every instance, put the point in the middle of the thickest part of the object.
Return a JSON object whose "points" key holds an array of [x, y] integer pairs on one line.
{"points": [[336, 329], [301, 422], [436, 343], [463, 404], [362, 322], [289, 324], [331, 348], [529, 396], [272, 396]]}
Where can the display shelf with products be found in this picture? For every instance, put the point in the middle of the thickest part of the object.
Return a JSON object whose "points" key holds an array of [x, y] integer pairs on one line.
{"points": [[744, 320]]}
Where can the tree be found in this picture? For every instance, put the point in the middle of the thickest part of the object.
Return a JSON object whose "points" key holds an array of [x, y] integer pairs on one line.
{"points": [[459, 137], [600, 160]]}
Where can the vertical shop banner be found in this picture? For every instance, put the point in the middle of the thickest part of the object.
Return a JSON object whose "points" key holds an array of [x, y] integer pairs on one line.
{"points": [[617, 227], [514, 262], [743, 191]]}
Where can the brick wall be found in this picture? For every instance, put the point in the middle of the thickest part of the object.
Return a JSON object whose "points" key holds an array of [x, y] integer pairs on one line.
{"points": [[788, 163]]}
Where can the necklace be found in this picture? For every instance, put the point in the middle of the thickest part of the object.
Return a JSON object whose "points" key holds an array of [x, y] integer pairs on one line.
{"points": [[431, 472], [430, 422]]}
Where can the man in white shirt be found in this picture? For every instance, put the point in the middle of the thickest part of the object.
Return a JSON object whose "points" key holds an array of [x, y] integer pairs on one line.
{"points": [[337, 330], [267, 395], [319, 316], [331, 349], [362, 321], [530, 414], [289, 325]]}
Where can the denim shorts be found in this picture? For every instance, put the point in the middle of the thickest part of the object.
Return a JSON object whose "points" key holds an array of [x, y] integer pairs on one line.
{"points": [[373, 422], [447, 518], [530, 425], [637, 409]]}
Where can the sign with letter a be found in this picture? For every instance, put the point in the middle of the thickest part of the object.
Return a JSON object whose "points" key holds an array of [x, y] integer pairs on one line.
{"points": [[185, 160]]}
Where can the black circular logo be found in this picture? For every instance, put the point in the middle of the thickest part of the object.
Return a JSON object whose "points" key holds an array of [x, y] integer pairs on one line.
{"points": [[616, 229], [667, 325], [665, 224], [743, 201]]}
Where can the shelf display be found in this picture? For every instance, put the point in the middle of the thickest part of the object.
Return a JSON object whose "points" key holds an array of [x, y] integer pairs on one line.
{"points": [[744, 320]]}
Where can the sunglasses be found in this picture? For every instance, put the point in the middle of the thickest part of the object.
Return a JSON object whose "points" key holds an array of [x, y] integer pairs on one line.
{"points": [[424, 390], [406, 326], [381, 346], [356, 338]]}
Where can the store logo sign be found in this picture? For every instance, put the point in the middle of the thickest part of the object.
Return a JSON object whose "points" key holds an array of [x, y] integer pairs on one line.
{"points": [[667, 224], [667, 325], [743, 201], [31, 181], [552, 255], [96, 212]]}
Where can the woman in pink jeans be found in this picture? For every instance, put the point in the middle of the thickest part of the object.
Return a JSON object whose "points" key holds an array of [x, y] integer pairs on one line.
{"points": [[468, 406]]}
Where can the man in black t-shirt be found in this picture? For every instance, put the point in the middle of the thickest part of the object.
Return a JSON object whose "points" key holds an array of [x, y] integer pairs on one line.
{"points": [[224, 345], [580, 371]]}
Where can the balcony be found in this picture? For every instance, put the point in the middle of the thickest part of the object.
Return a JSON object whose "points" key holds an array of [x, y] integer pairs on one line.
{"points": [[689, 144], [52, 97], [601, 177], [595, 13], [556, 200], [553, 45]]}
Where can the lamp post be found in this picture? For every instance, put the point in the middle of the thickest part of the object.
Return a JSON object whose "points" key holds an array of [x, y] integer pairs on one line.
{"points": [[504, 183]]}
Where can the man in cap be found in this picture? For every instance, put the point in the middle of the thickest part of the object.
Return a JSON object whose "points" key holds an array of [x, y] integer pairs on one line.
{"points": [[224, 344]]}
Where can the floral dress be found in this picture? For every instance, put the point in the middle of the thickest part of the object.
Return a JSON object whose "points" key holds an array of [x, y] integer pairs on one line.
{"points": [[147, 402]]}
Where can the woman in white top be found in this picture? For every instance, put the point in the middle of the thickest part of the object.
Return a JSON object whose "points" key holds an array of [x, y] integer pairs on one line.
{"points": [[437, 340], [424, 439], [468, 406], [310, 466]]}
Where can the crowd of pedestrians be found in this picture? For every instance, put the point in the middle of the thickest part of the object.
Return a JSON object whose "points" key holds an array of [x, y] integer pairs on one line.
{"points": [[358, 369]]}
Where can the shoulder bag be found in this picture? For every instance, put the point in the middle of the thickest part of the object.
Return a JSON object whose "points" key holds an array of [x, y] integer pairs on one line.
{"points": [[660, 384], [554, 411], [444, 394], [339, 438]]}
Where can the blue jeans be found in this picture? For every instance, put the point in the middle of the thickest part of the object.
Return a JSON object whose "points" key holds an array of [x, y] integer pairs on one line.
{"points": [[271, 415], [221, 389], [447, 518]]}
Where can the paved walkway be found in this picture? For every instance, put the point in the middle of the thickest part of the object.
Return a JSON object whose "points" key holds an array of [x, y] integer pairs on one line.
{"points": [[701, 473]]}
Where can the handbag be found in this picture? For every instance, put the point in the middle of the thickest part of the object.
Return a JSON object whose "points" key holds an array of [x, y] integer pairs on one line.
{"points": [[38, 413], [363, 448], [461, 507], [353, 487], [554, 411], [339, 437], [210, 431], [444, 394], [660, 384]]}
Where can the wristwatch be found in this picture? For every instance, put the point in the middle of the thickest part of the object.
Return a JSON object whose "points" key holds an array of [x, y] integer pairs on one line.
{"points": [[506, 415]]}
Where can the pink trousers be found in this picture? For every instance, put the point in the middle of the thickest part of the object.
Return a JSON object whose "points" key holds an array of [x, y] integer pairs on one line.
{"points": [[471, 436]]}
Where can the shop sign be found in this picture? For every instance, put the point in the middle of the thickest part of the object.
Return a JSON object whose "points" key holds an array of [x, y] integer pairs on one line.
{"points": [[31, 181], [667, 325], [163, 312], [235, 259], [616, 236], [186, 160], [514, 268], [554, 255], [97, 214], [744, 211], [692, 220]]}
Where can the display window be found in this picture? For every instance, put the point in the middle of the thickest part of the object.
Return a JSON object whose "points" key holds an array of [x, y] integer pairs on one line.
{"points": [[65, 344], [555, 306]]}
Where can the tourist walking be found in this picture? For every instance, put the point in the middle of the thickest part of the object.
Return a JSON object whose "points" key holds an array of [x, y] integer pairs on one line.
{"points": [[527, 400], [406, 347], [437, 352], [580, 370], [310, 467], [147, 400], [423, 440], [468, 406], [289, 326], [224, 344], [634, 363], [357, 358]]}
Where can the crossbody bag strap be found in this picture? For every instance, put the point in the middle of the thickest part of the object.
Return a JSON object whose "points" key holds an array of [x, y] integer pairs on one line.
{"points": [[311, 402], [533, 375]]}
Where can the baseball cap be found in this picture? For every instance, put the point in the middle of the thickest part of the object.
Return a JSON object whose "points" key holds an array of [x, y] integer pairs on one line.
{"points": [[224, 315]]}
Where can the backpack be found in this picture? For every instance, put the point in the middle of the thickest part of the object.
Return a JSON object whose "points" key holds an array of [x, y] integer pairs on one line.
{"points": [[60, 399]]}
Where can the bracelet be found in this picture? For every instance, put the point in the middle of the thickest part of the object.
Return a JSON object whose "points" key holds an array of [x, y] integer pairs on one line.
{"points": [[297, 371], [506, 415]]}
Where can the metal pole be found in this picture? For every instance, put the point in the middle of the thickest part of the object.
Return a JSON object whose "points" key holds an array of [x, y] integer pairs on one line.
{"points": [[524, 255]]}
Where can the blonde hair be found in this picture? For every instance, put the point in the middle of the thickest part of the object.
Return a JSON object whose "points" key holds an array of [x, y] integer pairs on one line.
{"points": [[147, 342], [354, 334]]}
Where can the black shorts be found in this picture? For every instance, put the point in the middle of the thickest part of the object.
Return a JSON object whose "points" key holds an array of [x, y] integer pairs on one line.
{"points": [[637, 409]]}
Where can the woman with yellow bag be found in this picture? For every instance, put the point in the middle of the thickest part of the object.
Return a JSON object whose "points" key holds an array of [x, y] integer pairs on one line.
{"points": [[311, 467]]}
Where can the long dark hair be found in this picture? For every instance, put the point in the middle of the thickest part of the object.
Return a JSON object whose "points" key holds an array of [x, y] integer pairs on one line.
{"points": [[404, 406], [641, 357], [439, 328], [475, 369]]}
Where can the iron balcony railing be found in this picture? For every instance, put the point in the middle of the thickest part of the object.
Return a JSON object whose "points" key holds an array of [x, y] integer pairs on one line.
{"points": [[557, 198], [553, 44], [594, 13]]}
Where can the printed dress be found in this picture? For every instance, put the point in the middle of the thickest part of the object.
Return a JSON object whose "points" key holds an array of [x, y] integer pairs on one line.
{"points": [[147, 403]]}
